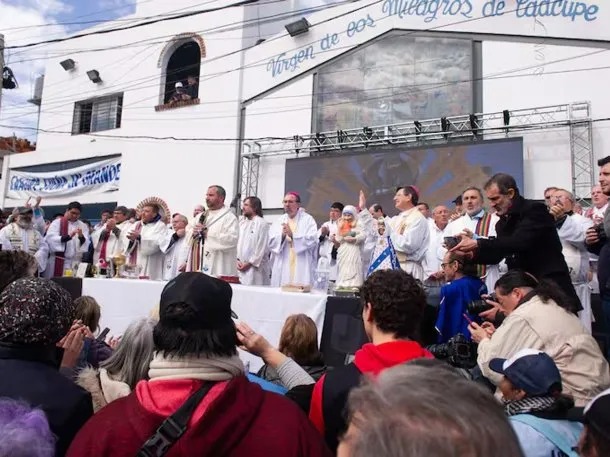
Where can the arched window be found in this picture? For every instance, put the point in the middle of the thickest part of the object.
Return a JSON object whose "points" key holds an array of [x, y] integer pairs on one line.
{"points": [[183, 67]]}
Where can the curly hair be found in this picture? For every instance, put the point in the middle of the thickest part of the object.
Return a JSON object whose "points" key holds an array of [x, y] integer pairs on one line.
{"points": [[397, 302], [15, 265]]}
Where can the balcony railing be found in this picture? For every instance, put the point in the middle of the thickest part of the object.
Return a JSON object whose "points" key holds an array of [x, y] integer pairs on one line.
{"points": [[175, 105]]}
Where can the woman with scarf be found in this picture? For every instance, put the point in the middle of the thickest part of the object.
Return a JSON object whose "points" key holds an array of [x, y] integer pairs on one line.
{"points": [[541, 416]]}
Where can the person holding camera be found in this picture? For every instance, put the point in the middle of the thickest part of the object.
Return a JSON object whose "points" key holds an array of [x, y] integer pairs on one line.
{"points": [[536, 318], [526, 236], [596, 240], [464, 286]]}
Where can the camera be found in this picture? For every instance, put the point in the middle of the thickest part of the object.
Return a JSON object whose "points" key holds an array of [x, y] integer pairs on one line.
{"points": [[458, 352], [600, 232], [477, 307], [451, 241]]}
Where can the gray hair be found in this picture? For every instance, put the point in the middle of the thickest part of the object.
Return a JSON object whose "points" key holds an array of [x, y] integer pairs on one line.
{"points": [[476, 189], [129, 362], [428, 409], [220, 190], [569, 194]]}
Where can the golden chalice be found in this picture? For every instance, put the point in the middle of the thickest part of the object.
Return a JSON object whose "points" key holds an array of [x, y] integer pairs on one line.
{"points": [[118, 261]]}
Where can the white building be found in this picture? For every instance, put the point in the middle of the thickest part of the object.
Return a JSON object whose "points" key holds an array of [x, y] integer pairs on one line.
{"points": [[360, 64]]}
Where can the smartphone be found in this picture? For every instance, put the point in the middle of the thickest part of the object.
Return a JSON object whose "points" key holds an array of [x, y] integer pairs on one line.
{"points": [[469, 320], [451, 241], [102, 336]]}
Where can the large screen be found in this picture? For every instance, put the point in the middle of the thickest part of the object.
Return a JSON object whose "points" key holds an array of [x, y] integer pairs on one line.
{"points": [[440, 173]]}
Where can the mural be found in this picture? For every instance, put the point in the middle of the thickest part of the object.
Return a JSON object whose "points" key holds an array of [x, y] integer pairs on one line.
{"points": [[440, 172]]}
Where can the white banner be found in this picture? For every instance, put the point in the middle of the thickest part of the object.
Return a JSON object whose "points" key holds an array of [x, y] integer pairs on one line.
{"points": [[94, 178]]}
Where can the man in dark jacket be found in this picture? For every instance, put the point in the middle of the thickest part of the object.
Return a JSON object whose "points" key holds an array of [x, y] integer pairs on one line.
{"points": [[526, 237], [196, 348], [597, 243], [35, 314]]}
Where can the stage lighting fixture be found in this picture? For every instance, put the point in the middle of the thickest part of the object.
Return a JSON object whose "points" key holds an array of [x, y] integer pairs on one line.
{"points": [[298, 27], [445, 125], [94, 76], [68, 64], [474, 124], [368, 132], [417, 127], [506, 115]]}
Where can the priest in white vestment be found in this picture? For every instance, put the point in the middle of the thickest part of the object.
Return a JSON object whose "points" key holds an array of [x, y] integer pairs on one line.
{"points": [[571, 228], [476, 223], [212, 245], [253, 245], [144, 242], [68, 238], [20, 235], [173, 245], [409, 232], [327, 230], [110, 239], [293, 242]]}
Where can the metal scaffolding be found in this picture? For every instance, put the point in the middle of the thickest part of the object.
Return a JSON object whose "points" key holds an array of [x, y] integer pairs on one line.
{"points": [[573, 118]]}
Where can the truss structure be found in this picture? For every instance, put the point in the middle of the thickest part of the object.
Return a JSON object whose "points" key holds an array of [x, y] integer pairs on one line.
{"points": [[574, 118]]}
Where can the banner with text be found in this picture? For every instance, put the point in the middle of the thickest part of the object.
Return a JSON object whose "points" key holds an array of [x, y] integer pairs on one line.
{"points": [[340, 29], [93, 178]]}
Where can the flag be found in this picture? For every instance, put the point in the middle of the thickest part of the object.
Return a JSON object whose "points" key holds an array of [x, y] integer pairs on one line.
{"points": [[386, 260]]}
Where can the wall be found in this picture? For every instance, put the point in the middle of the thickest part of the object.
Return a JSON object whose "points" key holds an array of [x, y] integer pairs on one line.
{"points": [[551, 75], [178, 171], [276, 116]]}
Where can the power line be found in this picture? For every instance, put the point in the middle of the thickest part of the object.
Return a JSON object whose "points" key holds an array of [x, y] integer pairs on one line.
{"points": [[130, 27], [110, 23], [209, 139], [278, 37], [219, 29]]}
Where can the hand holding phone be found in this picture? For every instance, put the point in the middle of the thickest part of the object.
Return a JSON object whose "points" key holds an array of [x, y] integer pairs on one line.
{"points": [[102, 336]]}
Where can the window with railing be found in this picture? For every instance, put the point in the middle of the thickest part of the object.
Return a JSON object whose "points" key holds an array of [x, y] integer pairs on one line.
{"points": [[98, 114]]}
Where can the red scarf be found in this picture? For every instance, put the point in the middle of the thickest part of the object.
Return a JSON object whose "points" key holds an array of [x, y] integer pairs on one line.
{"points": [[60, 256], [106, 236], [133, 256]]}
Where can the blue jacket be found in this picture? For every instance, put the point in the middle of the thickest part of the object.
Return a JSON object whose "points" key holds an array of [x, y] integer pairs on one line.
{"points": [[455, 297]]}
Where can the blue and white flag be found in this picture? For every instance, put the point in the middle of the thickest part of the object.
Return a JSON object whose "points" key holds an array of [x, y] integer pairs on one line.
{"points": [[386, 260]]}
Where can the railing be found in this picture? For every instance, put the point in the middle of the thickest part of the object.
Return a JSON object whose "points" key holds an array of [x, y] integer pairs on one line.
{"points": [[175, 105]]}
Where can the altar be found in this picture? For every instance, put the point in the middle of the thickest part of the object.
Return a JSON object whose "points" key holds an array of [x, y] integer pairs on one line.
{"points": [[265, 309]]}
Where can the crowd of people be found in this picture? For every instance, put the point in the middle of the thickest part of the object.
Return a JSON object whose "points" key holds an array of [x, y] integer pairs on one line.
{"points": [[175, 385], [513, 282]]}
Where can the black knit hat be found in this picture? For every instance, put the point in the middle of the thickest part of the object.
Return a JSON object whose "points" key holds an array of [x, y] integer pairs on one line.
{"points": [[35, 311]]}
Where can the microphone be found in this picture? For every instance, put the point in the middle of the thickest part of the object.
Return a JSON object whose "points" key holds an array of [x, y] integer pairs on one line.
{"points": [[235, 201]]}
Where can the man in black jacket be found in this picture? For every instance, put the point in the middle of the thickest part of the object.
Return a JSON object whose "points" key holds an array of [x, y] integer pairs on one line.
{"points": [[35, 314], [526, 237], [597, 243]]}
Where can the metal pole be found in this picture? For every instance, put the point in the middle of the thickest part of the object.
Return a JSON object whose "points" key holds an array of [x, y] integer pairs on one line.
{"points": [[1, 64]]}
